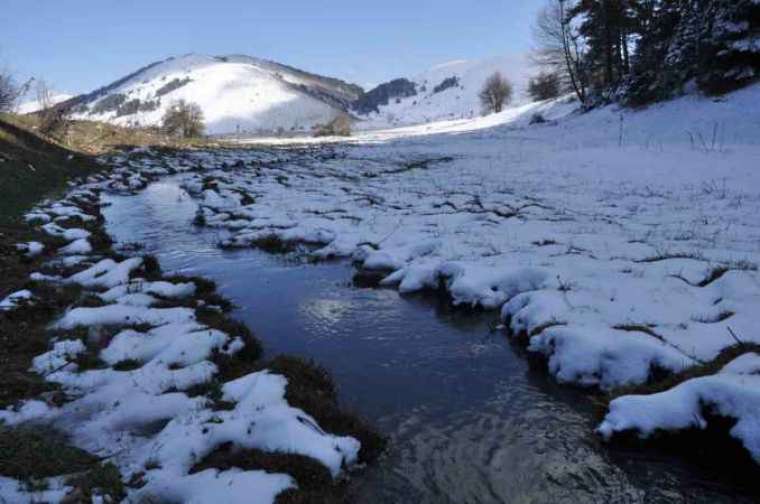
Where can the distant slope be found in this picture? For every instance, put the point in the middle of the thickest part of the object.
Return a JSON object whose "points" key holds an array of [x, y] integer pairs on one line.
{"points": [[236, 93], [252, 96], [33, 105], [445, 92]]}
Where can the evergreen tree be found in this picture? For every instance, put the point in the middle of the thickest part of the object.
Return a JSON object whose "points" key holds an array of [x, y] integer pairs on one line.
{"points": [[712, 43], [730, 51], [8, 92], [607, 26], [651, 79], [647, 50]]}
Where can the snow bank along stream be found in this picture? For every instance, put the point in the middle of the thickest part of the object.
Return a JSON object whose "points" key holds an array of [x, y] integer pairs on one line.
{"points": [[133, 361], [469, 419], [619, 246], [616, 245]]}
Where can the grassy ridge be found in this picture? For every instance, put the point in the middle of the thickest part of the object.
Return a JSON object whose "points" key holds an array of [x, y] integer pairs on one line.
{"points": [[32, 167]]}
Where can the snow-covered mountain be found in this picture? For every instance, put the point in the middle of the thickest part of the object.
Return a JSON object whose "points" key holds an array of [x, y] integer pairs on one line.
{"points": [[236, 93], [251, 96], [444, 92]]}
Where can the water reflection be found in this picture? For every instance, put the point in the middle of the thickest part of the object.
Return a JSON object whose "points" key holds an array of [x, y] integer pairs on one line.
{"points": [[327, 312]]}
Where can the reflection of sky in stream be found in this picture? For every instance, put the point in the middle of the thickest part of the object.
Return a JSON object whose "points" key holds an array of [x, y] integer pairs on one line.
{"points": [[329, 312], [469, 421]]}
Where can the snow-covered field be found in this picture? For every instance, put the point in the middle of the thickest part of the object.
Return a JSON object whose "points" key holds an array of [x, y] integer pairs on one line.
{"points": [[618, 243], [364, 135]]}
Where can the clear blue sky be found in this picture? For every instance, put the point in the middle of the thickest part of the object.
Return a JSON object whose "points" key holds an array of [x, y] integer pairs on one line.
{"points": [[78, 45]]}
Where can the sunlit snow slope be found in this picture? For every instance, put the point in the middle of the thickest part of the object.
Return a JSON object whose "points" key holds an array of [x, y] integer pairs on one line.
{"points": [[446, 92], [33, 104], [236, 93]]}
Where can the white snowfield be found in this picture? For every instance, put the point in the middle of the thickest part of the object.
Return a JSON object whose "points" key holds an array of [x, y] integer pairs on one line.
{"points": [[236, 95], [456, 100], [619, 243], [135, 410], [519, 115], [33, 105]]}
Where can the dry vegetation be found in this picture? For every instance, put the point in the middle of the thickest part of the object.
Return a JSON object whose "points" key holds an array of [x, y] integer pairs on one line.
{"points": [[496, 93], [339, 126], [95, 138]]}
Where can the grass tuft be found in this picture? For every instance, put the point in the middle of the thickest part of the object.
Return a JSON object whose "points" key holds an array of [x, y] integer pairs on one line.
{"points": [[308, 472], [273, 244], [28, 453], [103, 480], [127, 365]]}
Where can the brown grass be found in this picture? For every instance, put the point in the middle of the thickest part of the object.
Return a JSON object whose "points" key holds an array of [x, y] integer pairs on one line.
{"points": [[96, 138]]}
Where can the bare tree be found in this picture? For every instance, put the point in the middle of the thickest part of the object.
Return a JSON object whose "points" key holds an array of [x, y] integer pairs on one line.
{"points": [[44, 95], [496, 92], [45, 106], [183, 119], [8, 92], [559, 47], [544, 86], [53, 117], [339, 126]]}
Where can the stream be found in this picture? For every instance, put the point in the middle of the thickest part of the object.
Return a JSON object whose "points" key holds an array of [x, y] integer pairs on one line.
{"points": [[468, 419]]}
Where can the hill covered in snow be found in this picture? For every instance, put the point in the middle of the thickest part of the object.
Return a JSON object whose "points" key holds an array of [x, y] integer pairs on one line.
{"points": [[444, 92], [32, 104], [236, 93], [253, 96]]}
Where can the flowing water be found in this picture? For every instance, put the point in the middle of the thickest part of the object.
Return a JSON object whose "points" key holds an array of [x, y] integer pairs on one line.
{"points": [[469, 421]]}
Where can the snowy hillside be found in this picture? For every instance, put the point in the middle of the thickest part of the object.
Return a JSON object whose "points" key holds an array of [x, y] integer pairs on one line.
{"points": [[236, 93], [445, 92], [241, 94], [33, 105]]}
